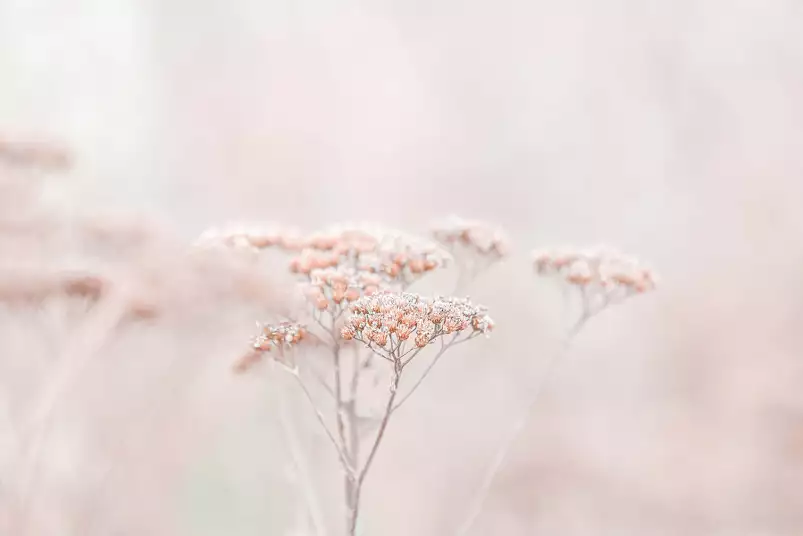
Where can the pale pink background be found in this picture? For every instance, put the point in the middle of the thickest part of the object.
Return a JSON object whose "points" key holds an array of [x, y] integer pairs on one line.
{"points": [[672, 130]]}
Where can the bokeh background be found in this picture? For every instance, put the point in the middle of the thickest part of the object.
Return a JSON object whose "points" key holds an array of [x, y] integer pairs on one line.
{"points": [[672, 130]]}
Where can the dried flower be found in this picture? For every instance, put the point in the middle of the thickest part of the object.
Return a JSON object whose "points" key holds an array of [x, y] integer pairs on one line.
{"points": [[311, 259], [331, 287], [401, 259], [388, 318], [249, 236], [481, 238], [279, 337], [604, 275], [397, 257]]}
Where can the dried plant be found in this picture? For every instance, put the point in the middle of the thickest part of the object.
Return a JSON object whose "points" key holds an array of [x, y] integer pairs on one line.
{"points": [[475, 246], [602, 276], [395, 327], [117, 273], [597, 278], [354, 279], [354, 307]]}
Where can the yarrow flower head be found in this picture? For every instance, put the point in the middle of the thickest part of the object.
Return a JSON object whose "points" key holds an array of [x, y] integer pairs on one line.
{"points": [[282, 335], [311, 259], [601, 266], [402, 259], [397, 258], [251, 236], [329, 288], [387, 319], [480, 238], [604, 275], [272, 338]]}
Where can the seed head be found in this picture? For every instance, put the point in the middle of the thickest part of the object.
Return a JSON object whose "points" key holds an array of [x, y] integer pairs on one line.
{"points": [[386, 318], [600, 271], [482, 239], [272, 338]]}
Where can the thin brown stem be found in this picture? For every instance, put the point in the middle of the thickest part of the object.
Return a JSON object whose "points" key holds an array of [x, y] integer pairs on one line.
{"points": [[350, 413], [355, 373], [393, 388], [341, 427]]}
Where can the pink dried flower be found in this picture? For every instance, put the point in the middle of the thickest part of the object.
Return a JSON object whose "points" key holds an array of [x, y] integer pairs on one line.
{"points": [[481, 238], [386, 316], [252, 236], [30, 286], [348, 332], [334, 285], [398, 258], [279, 337], [604, 275]]}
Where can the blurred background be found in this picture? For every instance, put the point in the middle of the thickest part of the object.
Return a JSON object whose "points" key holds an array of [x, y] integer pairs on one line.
{"points": [[672, 130]]}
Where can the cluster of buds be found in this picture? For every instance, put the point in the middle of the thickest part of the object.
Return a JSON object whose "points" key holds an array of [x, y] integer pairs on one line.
{"points": [[279, 337], [310, 260], [31, 286], [480, 238], [604, 270], [397, 258], [282, 335], [403, 260], [330, 287], [359, 240], [387, 319], [259, 237], [255, 237], [350, 241]]}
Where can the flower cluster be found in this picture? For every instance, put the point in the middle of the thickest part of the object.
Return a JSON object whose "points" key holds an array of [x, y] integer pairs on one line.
{"points": [[254, 237], [330, 287], [387, 319], [478, 237], [404, 262], [399, 259], [350, 241], [604, 269], [258, 236], [32, 286], [281, 337], [311, 259]]}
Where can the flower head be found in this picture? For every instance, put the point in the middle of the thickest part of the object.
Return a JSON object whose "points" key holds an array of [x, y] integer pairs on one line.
{"points": [[272, 337], [249, 236], [387, 319], [600, 272], [334, 286], [480, 238]]}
